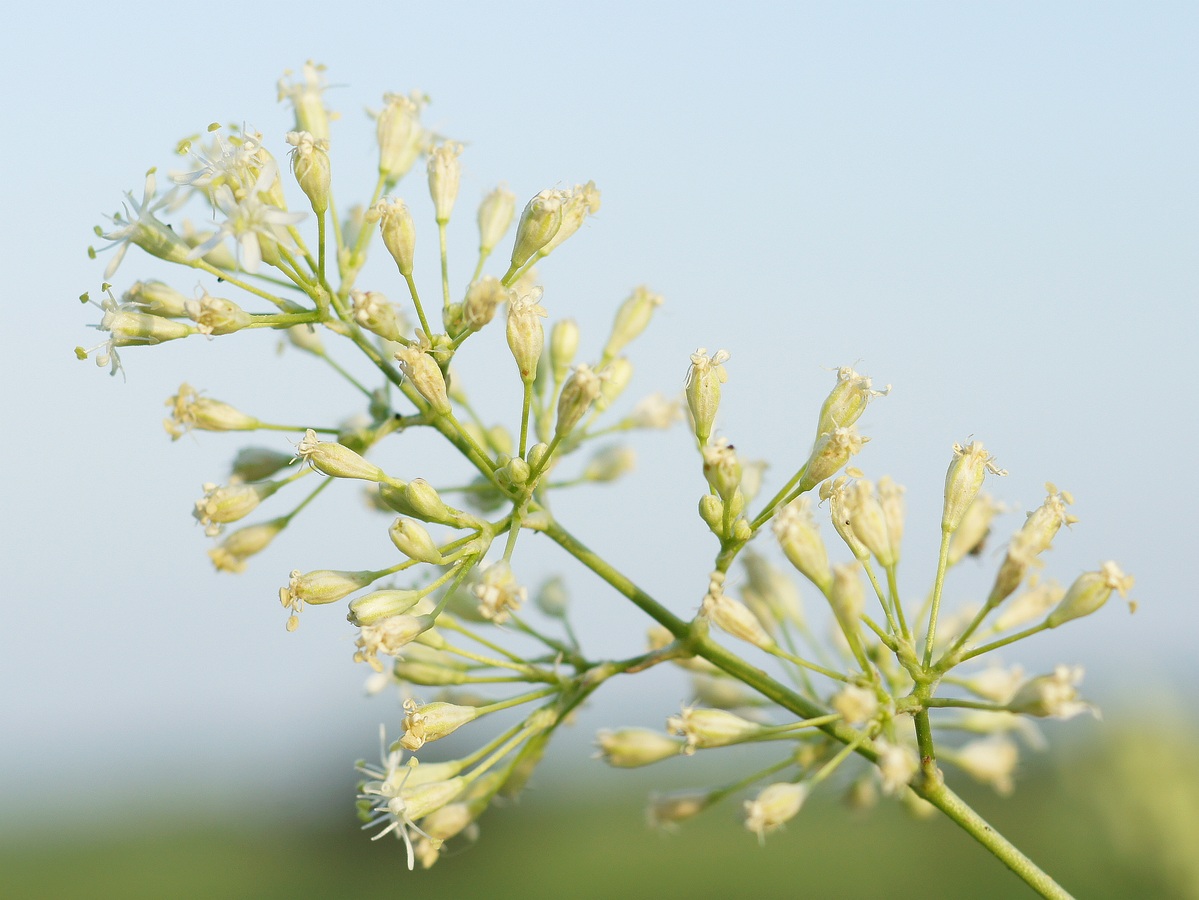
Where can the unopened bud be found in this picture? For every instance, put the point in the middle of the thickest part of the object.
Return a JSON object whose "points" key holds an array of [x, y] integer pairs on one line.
{"points": [[617, 375], [1089, 592], [445, 171], [526, 337], [539, 222], [411, 539], [579, 392], [399, 134], [629, 748], [424, 373], [310, 165], [974, 528], [398, 230], [631, 319], [215, 315], [383, 605], [257, 463], [847, 401], [610, 463], [832, 451], [963, 480], [495, 217], [801, 542], [704, 378], [564, 343], [483, 297], [847, 598]]}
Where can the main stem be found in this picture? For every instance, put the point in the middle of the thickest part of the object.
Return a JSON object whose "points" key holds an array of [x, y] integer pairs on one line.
{"points": [[931, 789]]}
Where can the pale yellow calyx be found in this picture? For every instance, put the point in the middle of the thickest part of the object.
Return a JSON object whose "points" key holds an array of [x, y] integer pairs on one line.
{"points": [[656, 411], [526, 336], [731, 616], [399, 133], [432, 721], [775, 805], [837, 494], [991, 761], [540, 220], [231, 554], [398, 231], [222, 505], [582, 201], [422, 370], [1089, 592], [897, 765], [970, 465], [704, 728], [305, 96], [564, 343], [628, 748], [797, 534], [336, 460], [722, 469], [631, 320], [311, 167], [499, 592], [388, 635], [1054, 696], [414, 541], [847, 401], [445, 173], [578, 393], [972, 532], [216, 315], [668, 810], [190, 410], [496, 213], [857, 705], [391, 603], [482, 299], [702, 389], [831, 452]]}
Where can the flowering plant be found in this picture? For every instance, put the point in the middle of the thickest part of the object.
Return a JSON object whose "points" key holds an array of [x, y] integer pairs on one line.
{"points": [[895, 687]]}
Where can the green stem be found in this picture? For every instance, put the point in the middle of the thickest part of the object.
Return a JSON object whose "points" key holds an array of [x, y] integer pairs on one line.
{"points": [[942, 560]]}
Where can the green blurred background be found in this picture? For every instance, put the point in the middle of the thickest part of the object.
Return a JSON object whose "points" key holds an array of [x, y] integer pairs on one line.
{"points": [[1113, 813]]}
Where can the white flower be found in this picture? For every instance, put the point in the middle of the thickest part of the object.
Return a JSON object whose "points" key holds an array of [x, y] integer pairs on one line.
{"points": [[249, 221], [774, 805], [499, 592], [138, 225], [991, 760], [897, 765]]}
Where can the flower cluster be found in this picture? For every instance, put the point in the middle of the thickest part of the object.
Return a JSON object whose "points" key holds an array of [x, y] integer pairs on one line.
{"points": [[449, 618]]}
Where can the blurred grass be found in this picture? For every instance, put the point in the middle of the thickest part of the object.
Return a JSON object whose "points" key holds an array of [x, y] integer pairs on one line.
{"points": [[1117, 817]]}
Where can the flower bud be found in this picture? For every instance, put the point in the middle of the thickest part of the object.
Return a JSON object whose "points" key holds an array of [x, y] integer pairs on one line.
{"points": [[432, 721], [629, 748], [722, 469], [231, 554], [411, 539], [972, 532], [482, 299], [495, 217], [667, 810], [564, 343], [857, 705], [869, 522], [422, 500], [631, 319], [1030, 605], [257, 463], [189, 410], [773, 597], [579, 392], [847, 401], [445, 172], [609, 464], [617, 375], [310, 165], [801, 542], [322, 586], [398, 230], [1054, 696], [305, 96], [775, 805], [704, 728], [383, 606], [832, 451], [1089, 592], [733, 617], [429, 674], [847, 598], [526, 337], [963, 480], [155, 298], [221, 505], [578, 204], [215, 315], [537, 456], [399, 135], [422, 370], [539, 222], [890, 498], [711, 510], [333, 459], [704, 378], [374, 313], [552, 598]]}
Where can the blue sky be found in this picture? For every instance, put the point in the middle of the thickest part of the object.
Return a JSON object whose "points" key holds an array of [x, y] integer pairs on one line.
{"points": [[992, 207]]}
